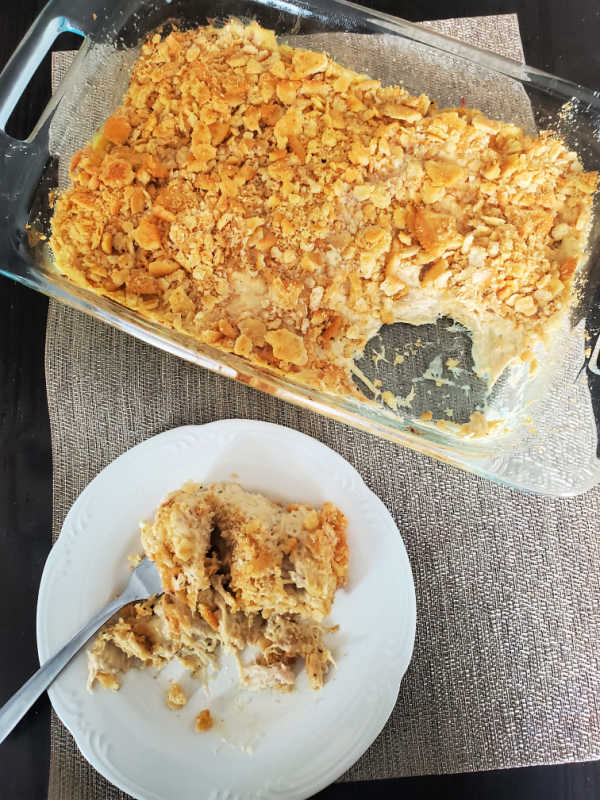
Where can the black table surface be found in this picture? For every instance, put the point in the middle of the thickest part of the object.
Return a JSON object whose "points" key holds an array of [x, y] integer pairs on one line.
{"points": [[558, 36]]}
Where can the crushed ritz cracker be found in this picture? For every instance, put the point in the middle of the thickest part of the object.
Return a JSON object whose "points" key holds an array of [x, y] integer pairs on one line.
{"points": [[204, 721], [176, 697]]}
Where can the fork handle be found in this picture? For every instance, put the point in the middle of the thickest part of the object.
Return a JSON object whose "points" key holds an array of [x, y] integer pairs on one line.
{"points": [[20, 703]]}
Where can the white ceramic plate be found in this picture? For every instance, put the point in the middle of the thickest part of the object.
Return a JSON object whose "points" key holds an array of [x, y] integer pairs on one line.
{"points": [[263, 744]]}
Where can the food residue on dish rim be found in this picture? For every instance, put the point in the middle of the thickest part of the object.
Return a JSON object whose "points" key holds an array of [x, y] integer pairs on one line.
{"points": [[406, 402], [478, 425], [390, 399], [135, 559], [371, 386]]}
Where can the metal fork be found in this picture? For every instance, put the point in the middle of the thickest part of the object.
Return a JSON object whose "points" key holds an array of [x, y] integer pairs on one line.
{"points": [[143, 583]]}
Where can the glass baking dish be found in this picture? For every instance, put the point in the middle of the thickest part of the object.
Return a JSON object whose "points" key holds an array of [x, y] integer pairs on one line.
{"points": [[547, 441]]}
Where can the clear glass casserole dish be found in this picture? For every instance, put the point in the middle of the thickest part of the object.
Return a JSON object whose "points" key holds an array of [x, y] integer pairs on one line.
{"points": [[547, 441]]}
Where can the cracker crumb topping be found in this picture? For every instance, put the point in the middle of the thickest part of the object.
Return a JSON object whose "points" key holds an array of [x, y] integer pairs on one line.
{"points": [[279, 206]]}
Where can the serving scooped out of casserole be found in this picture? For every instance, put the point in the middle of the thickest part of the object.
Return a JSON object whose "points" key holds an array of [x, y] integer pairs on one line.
{"points": [[274, 204]]}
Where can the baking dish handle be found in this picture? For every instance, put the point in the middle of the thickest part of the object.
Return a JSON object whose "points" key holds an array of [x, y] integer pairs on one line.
{"points": [[22, 162], [27, 57]]}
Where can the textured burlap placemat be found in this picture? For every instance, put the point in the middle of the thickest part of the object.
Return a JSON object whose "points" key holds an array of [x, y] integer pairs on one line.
{"points": [[506, 668]]}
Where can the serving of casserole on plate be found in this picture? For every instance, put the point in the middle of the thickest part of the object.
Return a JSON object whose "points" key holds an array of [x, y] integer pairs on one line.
{"points": [[237, 570], [345, 586]]}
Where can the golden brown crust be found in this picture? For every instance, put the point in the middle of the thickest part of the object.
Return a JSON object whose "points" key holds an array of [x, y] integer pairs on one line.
{"points": [[277, 205]]}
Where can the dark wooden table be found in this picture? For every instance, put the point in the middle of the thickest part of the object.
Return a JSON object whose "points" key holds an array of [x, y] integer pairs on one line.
{"points": [[558, 36]]}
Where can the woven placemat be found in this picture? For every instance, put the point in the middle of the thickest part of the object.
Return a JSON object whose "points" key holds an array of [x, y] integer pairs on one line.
{"points": [[506, 669]]}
